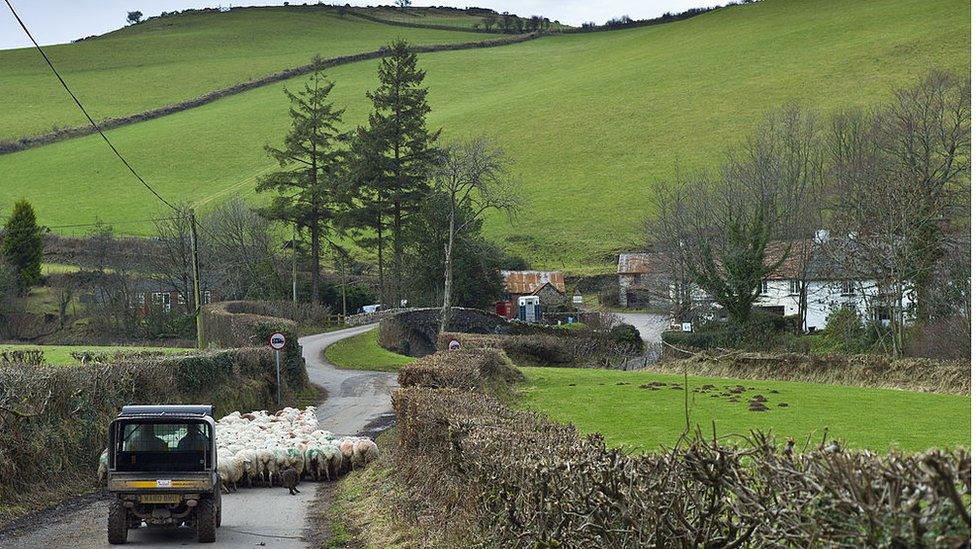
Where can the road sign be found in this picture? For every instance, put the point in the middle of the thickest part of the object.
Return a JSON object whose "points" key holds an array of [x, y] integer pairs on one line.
{"points": [[277, 341]]}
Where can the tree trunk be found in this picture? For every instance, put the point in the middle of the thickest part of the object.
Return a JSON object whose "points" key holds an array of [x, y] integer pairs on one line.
{"points": [[315, 261], [379, 256], [316, 215], [448, 273], [397, 253]]}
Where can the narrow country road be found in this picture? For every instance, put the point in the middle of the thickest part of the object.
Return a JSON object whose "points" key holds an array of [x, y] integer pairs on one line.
{"points": [[356, 398], [252, 517]]}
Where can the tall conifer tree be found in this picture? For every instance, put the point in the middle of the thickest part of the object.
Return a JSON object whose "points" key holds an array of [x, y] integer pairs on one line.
{"points": [[23, 245], [397, 154], [311, 190]]}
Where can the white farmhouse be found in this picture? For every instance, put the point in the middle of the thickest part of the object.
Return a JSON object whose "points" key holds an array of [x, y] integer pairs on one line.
{"points": [[806, 277]]}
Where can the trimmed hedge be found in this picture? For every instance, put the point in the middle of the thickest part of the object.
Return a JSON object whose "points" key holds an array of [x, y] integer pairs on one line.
{"points": [[232, 324], [482, 473], [469, 370], [554, 347], [914, 374]]}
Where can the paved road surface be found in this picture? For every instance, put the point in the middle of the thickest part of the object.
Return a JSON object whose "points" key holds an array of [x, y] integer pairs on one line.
{"points": [[251, 518], [650, 325], [355, 398]]}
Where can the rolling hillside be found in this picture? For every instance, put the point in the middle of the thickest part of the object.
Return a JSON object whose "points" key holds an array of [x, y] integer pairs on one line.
{"points": [[171, 59], [590, 119]]}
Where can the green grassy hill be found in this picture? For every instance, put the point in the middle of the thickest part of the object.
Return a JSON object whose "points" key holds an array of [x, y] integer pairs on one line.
{"points": [[589, 119], [171, 59]]}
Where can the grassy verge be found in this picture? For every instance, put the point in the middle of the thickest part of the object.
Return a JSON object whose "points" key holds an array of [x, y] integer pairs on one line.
{"points": [[363, 352], [61, 354], [615, 404], [358, 511]]}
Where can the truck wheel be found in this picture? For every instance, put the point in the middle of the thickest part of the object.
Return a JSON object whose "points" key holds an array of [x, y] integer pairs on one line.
{"points": [[206, 522], [118, 523], [220, 508]]}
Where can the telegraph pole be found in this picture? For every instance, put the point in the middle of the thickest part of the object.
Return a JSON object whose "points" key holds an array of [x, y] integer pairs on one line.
{"points": [[197, 297]]}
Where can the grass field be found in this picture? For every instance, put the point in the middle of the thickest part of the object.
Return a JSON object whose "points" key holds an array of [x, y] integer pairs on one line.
{"points": [[589, 119], [363, 352], [171, 59], [61, 354], [613, 403]]}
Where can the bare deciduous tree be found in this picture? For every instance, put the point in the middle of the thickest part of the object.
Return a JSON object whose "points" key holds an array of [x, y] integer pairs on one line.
{"points": [[474, 176], [722, 227], [899, 181], [241, 246]]}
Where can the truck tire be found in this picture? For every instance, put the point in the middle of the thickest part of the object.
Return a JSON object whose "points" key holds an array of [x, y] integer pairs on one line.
{"points": [[206, 522], [220, 508], [118, 523]]}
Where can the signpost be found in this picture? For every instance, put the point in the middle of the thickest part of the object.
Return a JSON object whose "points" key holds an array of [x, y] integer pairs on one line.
{"points": [[277, 342]]}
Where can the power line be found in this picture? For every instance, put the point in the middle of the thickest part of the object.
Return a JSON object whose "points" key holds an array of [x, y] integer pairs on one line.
{"points": [[82, 107], [112, 223]]}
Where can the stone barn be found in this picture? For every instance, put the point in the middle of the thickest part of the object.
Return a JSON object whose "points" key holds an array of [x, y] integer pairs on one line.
{"points": [[549, 286]]}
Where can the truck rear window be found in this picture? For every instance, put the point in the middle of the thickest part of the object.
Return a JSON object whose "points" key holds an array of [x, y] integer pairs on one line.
{"points": [[182, 446]]}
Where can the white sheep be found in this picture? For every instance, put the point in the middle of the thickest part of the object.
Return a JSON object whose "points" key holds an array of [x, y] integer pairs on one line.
{"points": [[364, 451], [103, 466], [230, 469]]}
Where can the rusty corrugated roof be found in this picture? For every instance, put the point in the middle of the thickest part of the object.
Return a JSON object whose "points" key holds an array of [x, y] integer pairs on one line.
{"points": [[638, 262], [527, 282]]}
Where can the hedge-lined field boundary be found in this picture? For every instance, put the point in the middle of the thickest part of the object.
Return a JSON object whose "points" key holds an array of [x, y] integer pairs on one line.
{"points": [[63, 134], [913, 374], [477, 471], [552, 347], [53, 419]]}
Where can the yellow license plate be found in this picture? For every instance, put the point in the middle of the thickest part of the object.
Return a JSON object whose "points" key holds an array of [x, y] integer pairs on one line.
{"points": [[159, 498]]}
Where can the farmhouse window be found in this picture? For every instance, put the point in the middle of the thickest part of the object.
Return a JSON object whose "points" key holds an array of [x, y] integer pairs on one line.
{"points": [[162, 299], [765, 287], [847, 287], [206, 296], [180, 298], [795, 287]]}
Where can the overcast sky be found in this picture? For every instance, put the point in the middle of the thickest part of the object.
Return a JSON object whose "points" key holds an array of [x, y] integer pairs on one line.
{"points": [[60, 21]]}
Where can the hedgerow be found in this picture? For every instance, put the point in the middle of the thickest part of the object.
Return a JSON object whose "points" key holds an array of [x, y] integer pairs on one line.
{"points": [[479, 472]]}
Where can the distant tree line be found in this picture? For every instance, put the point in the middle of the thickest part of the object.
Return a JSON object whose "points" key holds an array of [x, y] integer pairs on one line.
{"points": [[513, 24], [625, 21]]}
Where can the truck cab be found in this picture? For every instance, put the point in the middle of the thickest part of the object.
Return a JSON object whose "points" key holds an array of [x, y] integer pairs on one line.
{"points": [[162, 470]]}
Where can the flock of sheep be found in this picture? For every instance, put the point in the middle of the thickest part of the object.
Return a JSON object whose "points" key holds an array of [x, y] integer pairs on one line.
{"points": [[280, 448], [259, 447]]}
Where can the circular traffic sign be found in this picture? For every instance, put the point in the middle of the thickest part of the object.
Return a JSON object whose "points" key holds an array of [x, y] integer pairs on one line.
{"points": [[277, 341]]}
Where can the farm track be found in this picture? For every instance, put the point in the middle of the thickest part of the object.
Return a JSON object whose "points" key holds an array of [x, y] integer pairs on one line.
{"points": [[357, 402], [29, 142]]}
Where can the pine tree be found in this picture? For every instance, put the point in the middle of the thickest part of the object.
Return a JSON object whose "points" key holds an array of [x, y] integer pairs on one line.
{"points": [[311, 191], [401, 149], [23, 246]]}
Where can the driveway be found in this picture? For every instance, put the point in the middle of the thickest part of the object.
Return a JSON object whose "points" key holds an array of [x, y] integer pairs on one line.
{"points": [[251, 517]]}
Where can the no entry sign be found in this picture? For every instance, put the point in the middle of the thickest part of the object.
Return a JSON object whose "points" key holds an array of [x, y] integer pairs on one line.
{"points": [[277, 341]]}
